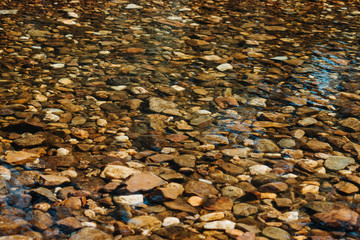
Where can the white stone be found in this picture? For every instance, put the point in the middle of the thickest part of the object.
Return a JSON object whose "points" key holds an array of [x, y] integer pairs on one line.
{"points": [[62, 152], [220, 225], [259, 102], [211, 58], [53, 110], [118, 88], [205, 181], [49, 117], [117, 172], [224, 67], [133, 6], [10, 11], [203, 112], [65, 81], [289, 216], [132, 200], [177, 88], [259, 169], [105, 52], [212, 216], [5, 173], [73, 14], [40, 98], [57, 65], [309, 189], [139, 90], [289, 175], [280, 58], [170, 221], [122, 138]]}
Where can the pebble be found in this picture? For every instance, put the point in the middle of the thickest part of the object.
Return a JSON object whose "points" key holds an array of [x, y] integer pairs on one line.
{"points": [[212, 216], [168, 221], [224, 67]]}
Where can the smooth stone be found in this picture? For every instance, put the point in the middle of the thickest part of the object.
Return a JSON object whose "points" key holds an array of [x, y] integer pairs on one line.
{"points": [[287, 143], [276, 233], [216, 139], [318, 146], [266, 146], [20, 157], [307, 121], [212, 216], [143, 182], [117, 172], [132, 200], [240, 152], [168, 221], [259, 169], [90, 233], [133, 6], [186, 160], [220, 225], [224, 67], [336, 163]]}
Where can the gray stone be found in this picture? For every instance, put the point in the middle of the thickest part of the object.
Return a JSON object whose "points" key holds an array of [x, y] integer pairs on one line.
{"points": [[336, 163], [244, 209], [266, 146], [276, 233]]}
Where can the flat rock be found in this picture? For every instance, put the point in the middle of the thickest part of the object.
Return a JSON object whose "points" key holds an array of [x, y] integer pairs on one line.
{"points": [[244, 209], [220, 225], [212, 216], [336, 163], [159, 105], [20, 157], [180, 205], [143, 182], [352, 123], [90, 233], [186, 160], [318, 146], [266, 146], [219, 204], [240, 152], [69, 224], [145, 222], [30, 140], [53, 180], [276, 233], [199, 188], [232, 192], [216, 139], [132, 200], [39, 219], [344, 219]]}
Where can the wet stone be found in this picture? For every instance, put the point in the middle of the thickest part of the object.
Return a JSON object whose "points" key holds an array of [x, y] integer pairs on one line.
{"points": [[146, 222], [199, 188], [344, 219], [266, 146], [143, 182], [185, 160], [276, 233], [244, 209], [336, 163], [91, 234]]}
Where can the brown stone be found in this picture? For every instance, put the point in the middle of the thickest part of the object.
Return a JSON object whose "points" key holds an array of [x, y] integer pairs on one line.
{"points": [[143, 182], [219, 204], [318, 146], [199, 188], [344, 219], [20, 157], [90, 233]]}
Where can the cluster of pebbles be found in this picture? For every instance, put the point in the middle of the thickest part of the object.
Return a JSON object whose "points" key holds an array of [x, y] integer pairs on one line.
{"points": [[179, 120]]}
